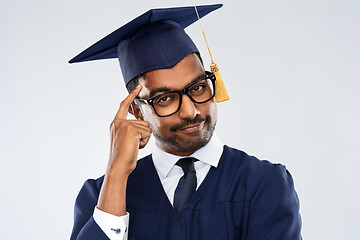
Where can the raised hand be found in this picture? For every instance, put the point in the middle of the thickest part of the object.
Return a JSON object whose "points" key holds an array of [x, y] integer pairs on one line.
{"points": [[127, 137]]}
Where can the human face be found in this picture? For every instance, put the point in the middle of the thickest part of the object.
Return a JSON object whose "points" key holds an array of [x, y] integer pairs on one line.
{"points": [[193, 125]]}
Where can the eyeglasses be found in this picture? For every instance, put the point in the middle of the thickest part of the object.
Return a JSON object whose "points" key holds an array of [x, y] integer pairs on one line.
{"points": [[168, 103]]}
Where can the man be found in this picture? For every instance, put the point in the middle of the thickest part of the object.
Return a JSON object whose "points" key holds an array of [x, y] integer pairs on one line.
{"points": [[192, 186]]}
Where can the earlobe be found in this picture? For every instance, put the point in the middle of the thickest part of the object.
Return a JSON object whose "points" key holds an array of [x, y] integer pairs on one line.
{"points": [[135, 111], [139, 116]]}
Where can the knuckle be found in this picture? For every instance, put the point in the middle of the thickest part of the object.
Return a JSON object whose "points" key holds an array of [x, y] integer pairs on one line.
{"points": [[129, 128], [124, 126], [123, 103], [117, 125]]}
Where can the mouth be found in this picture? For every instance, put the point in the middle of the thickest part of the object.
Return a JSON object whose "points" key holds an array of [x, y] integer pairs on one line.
{"points": [[192, 127]]}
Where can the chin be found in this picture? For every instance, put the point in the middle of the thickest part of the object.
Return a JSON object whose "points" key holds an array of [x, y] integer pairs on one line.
{"points": [[189, 142], [185, 142]]}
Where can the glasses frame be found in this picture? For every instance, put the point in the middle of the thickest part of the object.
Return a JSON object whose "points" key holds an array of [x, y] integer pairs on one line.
{"points": [[181, 92]]}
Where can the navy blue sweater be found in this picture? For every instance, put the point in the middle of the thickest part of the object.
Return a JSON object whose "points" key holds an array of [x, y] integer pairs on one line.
{"points": [[243, 198]]}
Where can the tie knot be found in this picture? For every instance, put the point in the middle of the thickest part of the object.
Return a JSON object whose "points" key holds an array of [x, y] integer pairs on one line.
{"points": [[187, 164]]}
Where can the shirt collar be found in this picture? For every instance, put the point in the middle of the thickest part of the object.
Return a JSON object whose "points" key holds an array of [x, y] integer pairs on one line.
{"points": [[209, 154]]}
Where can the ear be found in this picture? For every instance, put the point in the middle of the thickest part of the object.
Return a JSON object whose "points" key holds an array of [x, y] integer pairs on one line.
{"points": [[135, 111]]}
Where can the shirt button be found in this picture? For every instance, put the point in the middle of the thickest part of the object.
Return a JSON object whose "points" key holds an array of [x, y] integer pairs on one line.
{"points": [[116, 230]]}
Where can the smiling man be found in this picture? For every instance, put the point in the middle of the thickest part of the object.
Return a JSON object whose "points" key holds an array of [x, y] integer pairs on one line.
{"points": [[192, 186], [181, 125]]}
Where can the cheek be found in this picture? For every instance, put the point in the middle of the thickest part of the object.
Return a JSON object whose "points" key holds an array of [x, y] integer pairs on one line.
{"points": [[213, 111], [150, 117]]}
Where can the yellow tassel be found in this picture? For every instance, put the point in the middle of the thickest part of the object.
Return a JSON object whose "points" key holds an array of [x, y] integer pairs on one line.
{"points": [[220, 90]]}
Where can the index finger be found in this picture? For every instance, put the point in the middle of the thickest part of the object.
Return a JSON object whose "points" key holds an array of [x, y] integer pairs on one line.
{"points": [[125, 104]]}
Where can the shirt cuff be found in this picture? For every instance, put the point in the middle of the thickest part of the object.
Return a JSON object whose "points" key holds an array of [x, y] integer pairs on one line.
{"points": [[115, 228]]}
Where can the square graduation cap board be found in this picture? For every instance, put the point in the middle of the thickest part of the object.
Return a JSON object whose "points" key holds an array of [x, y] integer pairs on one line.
{"points": [[154, 40]]}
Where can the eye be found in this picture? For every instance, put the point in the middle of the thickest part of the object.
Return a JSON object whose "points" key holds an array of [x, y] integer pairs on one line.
{"points": [[198, 88], [162, 99], [165, 99]]}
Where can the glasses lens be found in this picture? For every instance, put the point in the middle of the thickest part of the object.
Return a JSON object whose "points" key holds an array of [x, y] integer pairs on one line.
{"points": [[202, 91], [167, 103]]}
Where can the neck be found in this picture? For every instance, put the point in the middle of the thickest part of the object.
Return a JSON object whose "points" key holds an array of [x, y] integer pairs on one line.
{"points": [[174, 151]]}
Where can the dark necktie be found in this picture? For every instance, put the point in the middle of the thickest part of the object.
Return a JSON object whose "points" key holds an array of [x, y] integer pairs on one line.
{"points": [[187, 183]]}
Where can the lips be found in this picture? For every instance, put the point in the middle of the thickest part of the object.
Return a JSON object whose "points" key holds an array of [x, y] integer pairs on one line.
{"points": [[192, 127], [189, 124]]}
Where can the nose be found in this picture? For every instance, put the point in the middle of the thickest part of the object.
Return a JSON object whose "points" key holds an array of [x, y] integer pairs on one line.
{"points": [[187, 108]]}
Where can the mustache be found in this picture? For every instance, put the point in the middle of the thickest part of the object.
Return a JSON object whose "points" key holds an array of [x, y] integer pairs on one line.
{"points": [[187, 122]]}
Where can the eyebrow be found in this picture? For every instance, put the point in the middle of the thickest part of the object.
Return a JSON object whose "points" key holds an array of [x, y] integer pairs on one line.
{"points": [[155, 91]]}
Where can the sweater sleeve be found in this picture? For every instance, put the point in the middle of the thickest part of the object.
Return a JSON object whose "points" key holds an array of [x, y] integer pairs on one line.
{"points": [[274, 210], [85, 225]]}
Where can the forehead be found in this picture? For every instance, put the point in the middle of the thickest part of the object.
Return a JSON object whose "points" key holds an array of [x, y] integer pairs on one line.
{"points": [[177, 77]]}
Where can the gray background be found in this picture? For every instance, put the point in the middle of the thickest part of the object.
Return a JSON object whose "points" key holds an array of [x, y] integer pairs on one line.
{"points": [[291, 69]]}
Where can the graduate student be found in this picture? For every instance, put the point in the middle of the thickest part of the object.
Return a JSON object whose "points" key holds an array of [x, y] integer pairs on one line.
{"points": [[192, 186]]}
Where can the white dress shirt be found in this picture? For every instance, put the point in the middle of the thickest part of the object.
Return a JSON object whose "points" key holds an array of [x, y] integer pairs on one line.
{"points": [[116, 227]]}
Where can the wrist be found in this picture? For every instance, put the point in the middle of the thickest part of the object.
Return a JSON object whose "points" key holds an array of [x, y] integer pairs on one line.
{"points": [[118, 172]]}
